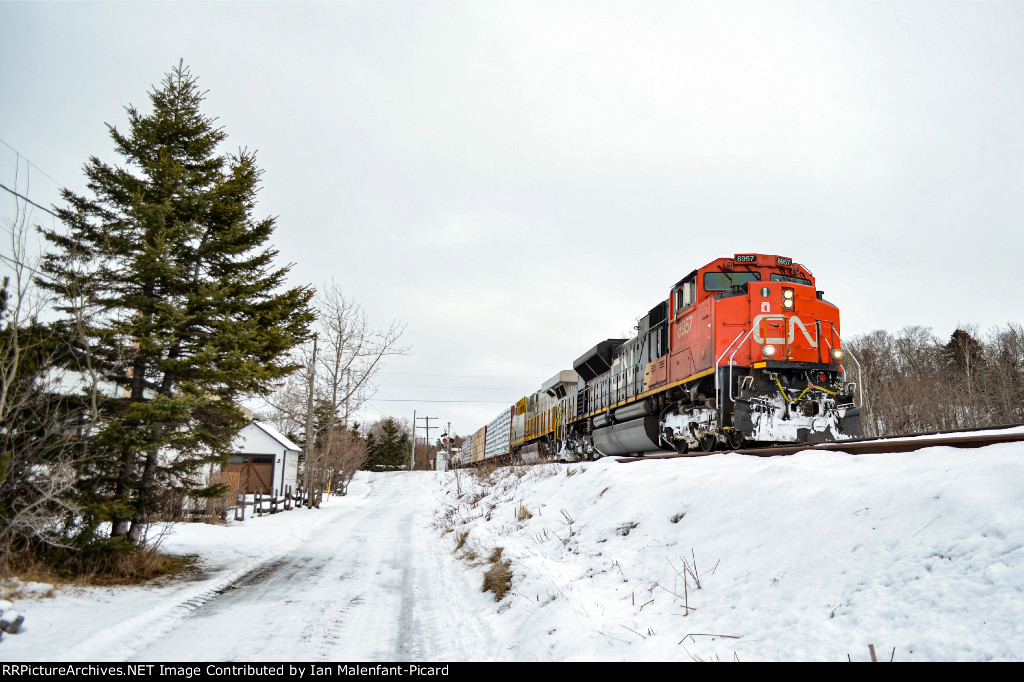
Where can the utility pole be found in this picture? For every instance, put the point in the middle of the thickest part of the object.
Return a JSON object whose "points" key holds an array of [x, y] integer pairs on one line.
{"points": [[412, 455], [427, 427], [348, 390], [310, 472]]}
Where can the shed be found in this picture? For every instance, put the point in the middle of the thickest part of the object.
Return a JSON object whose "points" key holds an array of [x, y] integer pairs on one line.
{"points": [[265, 459]]}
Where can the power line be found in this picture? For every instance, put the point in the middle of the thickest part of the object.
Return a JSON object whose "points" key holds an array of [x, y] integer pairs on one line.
{"points": [[25, 198], [411, 400], [459, 376], [27, 267], [29, 162], [377, 411], [476, 388]]}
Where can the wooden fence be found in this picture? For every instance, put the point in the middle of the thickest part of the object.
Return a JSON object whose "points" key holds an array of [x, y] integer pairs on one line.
{"points": [[263, 503], [234, 501]]}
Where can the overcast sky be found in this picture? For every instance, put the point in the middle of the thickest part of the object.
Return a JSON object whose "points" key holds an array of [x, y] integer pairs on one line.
{"points": [[516, 181]]}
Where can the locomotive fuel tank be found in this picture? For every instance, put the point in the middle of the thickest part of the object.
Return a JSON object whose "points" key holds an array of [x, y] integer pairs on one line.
{"points": [[636, 436]]}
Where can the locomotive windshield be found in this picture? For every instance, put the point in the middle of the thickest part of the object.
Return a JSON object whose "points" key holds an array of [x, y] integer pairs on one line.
{"points": [[786, 278], [721, 281]]}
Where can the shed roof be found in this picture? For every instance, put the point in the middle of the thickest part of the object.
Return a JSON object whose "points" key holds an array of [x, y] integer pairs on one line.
{"points": [[276, 435]]}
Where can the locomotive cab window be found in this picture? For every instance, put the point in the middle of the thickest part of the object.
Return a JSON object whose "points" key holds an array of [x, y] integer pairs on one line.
{"points": [[686, 294], [722, 281], [786, 278]]}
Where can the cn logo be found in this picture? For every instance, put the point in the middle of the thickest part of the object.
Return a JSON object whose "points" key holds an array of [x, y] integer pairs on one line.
{"points": [[794, 322]]}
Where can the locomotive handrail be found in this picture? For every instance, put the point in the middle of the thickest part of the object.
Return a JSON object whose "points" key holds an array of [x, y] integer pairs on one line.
{"points": [[860, 372], [731, 396], [860, 377], [718, 394]]}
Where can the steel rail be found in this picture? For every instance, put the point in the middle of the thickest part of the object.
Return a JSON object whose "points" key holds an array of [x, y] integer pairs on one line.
{"points": [[862, 446]]}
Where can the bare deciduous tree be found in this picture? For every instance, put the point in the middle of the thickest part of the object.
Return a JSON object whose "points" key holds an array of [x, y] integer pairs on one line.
{"points": [[349, 353], [347, 455], [42, 429], [914, 381], [285, 408]]}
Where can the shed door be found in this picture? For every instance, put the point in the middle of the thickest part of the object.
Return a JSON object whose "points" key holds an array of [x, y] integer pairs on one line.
{"points": [[254, 471]]}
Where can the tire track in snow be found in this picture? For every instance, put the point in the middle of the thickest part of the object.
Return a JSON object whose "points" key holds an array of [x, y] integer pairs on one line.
{"points": [[121, 641], [373, 583]]}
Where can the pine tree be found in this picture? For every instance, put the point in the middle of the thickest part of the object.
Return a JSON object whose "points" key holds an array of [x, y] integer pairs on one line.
{"points": [[965, 356], [186, 309], [963, 353], [389, 451]]}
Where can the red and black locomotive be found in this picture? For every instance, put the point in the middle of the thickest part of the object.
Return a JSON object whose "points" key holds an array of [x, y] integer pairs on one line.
{"points": [[744, 352]]}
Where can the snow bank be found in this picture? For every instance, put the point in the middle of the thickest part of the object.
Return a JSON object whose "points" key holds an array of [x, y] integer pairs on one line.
{"points": [[809, 557]]}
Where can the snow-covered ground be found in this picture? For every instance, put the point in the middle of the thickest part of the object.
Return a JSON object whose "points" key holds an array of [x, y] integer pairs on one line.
{"points": [[808, 557]]}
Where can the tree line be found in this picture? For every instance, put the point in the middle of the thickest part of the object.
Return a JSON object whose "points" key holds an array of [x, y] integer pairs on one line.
{"points": [[913, 381], [128, 347]]}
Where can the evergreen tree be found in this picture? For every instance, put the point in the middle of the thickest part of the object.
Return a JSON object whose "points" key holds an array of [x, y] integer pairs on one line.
{"points": [[963, 353], [965, 356], [187, 311], [387, 450]]}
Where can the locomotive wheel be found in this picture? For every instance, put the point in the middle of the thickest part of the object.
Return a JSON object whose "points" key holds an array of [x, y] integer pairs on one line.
{"points": [[708, 443], [735, 439]]}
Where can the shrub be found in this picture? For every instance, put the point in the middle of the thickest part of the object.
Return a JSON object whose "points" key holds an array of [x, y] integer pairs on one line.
{"points": [[460, 539], [498, 578]]}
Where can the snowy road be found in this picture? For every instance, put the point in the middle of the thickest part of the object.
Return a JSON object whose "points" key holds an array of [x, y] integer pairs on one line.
{"points": [[363, 587]]}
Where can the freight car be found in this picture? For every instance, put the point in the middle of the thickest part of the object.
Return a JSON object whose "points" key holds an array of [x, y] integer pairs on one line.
{"points": [[744, 352]]}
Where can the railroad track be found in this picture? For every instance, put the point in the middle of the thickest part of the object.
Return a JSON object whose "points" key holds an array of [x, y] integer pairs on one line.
{"points": [[861, 446]]}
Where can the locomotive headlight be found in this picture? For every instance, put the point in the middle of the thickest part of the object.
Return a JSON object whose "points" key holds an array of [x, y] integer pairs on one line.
{"points": [[768, 350], [837, 354], [787, 299]]}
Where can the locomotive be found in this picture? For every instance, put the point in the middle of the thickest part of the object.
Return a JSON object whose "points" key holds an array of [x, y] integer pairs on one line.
{"points": [[744, 352]]}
